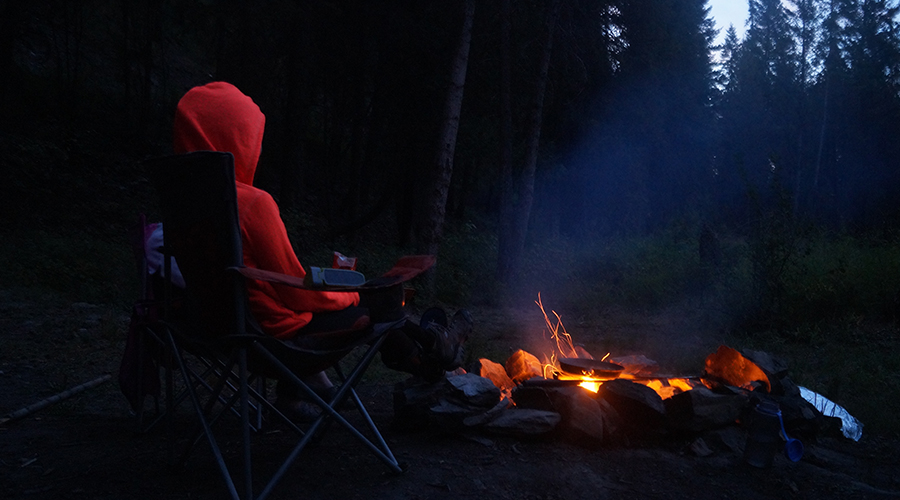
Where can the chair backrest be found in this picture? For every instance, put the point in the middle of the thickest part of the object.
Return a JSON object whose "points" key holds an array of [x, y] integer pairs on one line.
{"points": [[201, 230]]}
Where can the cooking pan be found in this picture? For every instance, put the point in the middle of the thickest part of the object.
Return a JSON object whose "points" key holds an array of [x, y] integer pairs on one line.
{"points": [[590, 367]]}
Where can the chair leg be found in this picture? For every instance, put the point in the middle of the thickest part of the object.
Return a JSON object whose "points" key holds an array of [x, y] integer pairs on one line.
{"points": [[217, 453], [245, 422], [382, 453], [260, 394], [368, 418]]}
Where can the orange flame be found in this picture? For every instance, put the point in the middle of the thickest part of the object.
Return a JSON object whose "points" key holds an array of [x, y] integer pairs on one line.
{"points": [[558, 333], [521, 366], [565, 348]]}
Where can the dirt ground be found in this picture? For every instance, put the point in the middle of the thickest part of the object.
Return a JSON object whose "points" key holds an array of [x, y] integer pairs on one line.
{"points": [[87, 446]]}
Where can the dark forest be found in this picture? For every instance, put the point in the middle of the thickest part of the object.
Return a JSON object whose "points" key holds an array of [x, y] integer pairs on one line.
{"points": [[510, 137]]}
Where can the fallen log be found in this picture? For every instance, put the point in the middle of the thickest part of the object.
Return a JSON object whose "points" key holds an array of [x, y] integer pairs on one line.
{"points": [[40, 405]]}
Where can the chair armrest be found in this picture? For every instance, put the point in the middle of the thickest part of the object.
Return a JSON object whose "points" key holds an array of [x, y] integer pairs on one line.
{"points": [[405, 269], [273, 277]]}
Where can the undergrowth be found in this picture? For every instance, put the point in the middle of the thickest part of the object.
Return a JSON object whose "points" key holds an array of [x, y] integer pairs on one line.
{"points": [[827, 301]]}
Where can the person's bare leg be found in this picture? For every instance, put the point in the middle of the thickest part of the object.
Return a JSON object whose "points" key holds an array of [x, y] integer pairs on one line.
{"points": [[318, 381]]}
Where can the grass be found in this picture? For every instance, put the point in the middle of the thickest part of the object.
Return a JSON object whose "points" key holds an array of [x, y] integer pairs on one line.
{"points": [[82, 268], [850, 362], [830, 309]]}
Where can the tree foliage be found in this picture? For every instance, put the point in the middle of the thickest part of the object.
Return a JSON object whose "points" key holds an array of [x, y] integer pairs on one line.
{"points": [[643, 121]]}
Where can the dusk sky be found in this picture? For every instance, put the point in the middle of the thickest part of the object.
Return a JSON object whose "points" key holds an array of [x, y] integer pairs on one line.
{"points": [[726, 12]]}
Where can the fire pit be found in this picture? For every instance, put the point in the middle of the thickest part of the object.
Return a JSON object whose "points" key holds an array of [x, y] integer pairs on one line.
{"points": [[572, 365], [611, 400]]}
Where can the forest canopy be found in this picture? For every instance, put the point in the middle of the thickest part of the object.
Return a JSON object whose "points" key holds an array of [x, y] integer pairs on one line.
{"points": [[582, 119]]}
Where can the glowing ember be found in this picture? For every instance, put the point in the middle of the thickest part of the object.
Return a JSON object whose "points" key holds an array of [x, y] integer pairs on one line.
{"points": [[668, 387], [591, 386]]}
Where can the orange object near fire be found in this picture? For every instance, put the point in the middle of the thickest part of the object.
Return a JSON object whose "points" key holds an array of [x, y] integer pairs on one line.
{"points": [[496, 373], [523, 365], [732, 368]]}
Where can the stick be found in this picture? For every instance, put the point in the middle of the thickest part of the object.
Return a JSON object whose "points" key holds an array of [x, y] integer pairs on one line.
{"points": [[40, 405]]}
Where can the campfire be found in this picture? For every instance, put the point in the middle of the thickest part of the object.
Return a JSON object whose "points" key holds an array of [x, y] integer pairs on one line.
{"points": [[571, 364], [616, 399]]}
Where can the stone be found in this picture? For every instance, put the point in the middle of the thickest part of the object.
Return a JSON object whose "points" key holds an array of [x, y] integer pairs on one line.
{"points": [[449, 416], [583, 418], [472, 390], [533, 398], [729, 439], [699, 448], [769, 364], [641, 409], [496, 373], [485, 417], [412, 400], [701, 409], [631, 399], [523, 365], [524, 423]]}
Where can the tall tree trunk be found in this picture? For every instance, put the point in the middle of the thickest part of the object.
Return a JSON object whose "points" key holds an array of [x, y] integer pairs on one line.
{"points": [[12, 15], [299, 60], [431, 227], [359, 138], [504, 272], [514, 225]]}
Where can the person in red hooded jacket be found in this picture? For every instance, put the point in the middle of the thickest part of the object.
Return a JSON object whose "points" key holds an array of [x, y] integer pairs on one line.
{"points": [[219, 117]]}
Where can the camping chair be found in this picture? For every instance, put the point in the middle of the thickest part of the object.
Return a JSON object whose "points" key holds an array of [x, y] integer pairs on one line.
{"points": [[146, 350], [199, 208]]}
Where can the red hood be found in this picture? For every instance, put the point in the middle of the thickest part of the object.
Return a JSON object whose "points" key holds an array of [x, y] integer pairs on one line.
{"points": [[219, 117]]}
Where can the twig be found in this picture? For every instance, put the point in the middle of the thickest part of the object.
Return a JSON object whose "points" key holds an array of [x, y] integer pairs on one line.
{"points": [[40, 405]]}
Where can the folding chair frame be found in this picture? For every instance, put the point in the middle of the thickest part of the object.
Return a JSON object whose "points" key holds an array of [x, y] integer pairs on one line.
{"points": [[239, 340], [149, 307]]}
